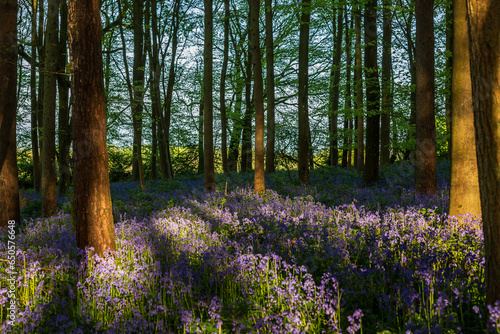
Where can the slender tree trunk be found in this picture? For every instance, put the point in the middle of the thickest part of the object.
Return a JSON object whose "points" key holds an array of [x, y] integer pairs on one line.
{"points": [[385, 126], [270, 156], [358, 77], [449, 69], [372, 95], [9, 186], [484, 39], [64, 118], [464, 186], [91, 212], [151, 6], [41, 77], [138, 90], [334, 91], [208, 137], [49, 177], [425, 143], [37, 177], [165, 121], [303, 149], [246, 139], [223, 88], [237, 126], [346, 154], [201, 158], [259, 181], [413, 79]]}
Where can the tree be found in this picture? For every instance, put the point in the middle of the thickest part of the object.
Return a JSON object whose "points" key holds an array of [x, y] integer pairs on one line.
{"points": [[208, 137], [91, 211], [138, 90], [425, 136], [372, 94], [334, 91], [49, 176], [9, 187], [223, 88], [303, 148], [464, 186], [37, 177], [385, 124], [270, 168], [64, 117], [258, 94], [358, 78], [484, 46]]}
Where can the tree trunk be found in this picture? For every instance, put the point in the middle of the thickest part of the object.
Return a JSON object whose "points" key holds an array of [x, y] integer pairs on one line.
{"points": [[246, 139], [425, 135], [91, 212], [303, 149], [346, 154], [165, 120], [41, 77], [64, 119], [208, 137], [385, 126], [259, 181], [49, 176], [138, 90], [237, 126], [334, 92], [270, 156], [358, 78], [464, 186], [484, 31], [37, 177], [201, 158], [372, 95], [9, 186], [223, 115], [449, 69], [151, 6]]}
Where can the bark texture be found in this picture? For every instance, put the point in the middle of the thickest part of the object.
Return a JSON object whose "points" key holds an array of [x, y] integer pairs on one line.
{"points": [[208, 137], [464, 187], [49, 176], [303, 156], [484, 38], [91, 213], [372, 95], [270, 156], [259, 182], [9, 187], [425, 131]]}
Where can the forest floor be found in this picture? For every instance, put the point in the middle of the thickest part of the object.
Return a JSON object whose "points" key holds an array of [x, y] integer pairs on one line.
{"points": [[331, 257]]}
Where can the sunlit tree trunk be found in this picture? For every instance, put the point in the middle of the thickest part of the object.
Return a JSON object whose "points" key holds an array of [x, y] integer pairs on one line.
{"points": [[464, 186], [208, 137], [358, 78], [91, 212], [9, 186], [425, 135], [49, 176], [484, 34], [372, 95], [270, 156], [259, 182], [305, 19], [385, 124]]}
